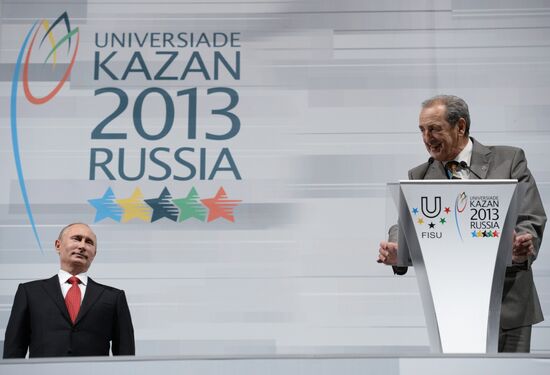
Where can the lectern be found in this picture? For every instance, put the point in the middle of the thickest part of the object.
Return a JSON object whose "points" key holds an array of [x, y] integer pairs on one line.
{"points": [[458, 236]]}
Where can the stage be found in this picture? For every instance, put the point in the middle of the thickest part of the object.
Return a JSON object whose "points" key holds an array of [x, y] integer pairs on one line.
{"points": [[285, 364]]}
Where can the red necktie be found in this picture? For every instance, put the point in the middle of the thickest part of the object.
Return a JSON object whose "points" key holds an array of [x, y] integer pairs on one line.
{"points": [[72, 299]]}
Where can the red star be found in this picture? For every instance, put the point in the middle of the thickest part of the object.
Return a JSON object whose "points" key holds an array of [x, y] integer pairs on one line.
{"points": [[447, 210], [220, 206], [495, 233]]}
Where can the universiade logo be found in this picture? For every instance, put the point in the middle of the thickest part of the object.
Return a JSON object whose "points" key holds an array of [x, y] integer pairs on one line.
{"points": [[482, 223], [32, 45]]}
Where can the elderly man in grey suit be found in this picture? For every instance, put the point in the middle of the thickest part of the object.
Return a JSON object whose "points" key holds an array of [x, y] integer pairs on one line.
{"points": [[70, 314], [445, 126]]}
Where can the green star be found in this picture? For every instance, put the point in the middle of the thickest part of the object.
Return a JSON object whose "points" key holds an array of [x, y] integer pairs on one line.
{"points": [[190, 206]]}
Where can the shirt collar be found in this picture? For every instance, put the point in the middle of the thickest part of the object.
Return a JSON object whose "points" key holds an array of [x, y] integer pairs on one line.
{"points": [[465, 154], [64, 276]]}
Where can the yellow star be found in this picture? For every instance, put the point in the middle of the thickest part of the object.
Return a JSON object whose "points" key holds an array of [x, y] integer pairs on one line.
{"points": [[420, 221], [479, 233], [135, 207]]}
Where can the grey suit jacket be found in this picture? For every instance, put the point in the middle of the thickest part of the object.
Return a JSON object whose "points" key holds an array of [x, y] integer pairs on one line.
{"points": [[40, 322], [520, 302]]}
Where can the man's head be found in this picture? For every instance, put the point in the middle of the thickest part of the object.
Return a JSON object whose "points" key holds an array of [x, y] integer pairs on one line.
{"points": [[445, 124], [76, 246]]}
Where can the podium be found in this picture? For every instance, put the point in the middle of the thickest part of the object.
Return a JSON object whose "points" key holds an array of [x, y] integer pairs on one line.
{"points": [[458, 235]]}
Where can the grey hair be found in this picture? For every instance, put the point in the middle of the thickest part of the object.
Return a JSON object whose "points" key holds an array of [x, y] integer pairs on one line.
{"points": [[456, 108]]}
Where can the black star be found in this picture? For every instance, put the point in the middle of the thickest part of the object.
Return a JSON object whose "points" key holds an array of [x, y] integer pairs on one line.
{"points": [[484, 233], [432, 225], [163, 207]]}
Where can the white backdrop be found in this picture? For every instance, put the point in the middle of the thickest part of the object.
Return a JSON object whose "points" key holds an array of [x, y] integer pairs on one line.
{"points": [[329, 94]]}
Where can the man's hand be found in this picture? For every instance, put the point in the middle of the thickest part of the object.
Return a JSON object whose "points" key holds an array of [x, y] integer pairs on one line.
{"points": [[387, 253], [522, 247]]}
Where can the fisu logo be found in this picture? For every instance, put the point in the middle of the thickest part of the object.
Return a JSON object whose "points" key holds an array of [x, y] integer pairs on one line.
{"points": [[430, 212]]}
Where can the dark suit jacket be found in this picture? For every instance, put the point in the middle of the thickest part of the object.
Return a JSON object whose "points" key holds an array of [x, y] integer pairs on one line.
{"points": [[520, 302], [40, 322]]}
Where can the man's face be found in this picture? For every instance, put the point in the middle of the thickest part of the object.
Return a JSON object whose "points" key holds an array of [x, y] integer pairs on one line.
{"points": [[76, 248], [442, 140]]}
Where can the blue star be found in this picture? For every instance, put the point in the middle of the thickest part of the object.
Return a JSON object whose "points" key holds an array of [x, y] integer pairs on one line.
{"points": [[163, 207], [415, 210], [106, 207], [474, 234]]}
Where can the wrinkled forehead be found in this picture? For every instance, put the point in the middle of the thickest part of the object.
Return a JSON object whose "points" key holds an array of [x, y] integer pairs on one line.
{"points": [[435, 113]]}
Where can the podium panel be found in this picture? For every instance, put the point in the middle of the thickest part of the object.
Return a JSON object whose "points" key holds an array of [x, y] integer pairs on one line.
{"points": [[458, 234]]}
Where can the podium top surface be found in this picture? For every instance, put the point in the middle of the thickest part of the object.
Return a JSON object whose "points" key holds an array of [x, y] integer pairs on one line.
{"points": [[462, 182]]}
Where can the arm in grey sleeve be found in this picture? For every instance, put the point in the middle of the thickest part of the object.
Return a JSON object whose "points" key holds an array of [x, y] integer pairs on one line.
{"points": [[531, 218]]}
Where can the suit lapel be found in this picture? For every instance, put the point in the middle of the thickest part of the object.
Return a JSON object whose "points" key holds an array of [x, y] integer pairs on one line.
{"points": [[53, 290], [436, 172], [93, 291], [481, 155]]}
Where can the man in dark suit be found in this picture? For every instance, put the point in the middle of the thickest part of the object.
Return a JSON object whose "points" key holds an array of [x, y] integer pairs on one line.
{"points": [[52, 318], [445, 125]]}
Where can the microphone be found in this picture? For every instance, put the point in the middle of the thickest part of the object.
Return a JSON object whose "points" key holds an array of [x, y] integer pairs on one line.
{"points": [[430, 161], [464, 165]]}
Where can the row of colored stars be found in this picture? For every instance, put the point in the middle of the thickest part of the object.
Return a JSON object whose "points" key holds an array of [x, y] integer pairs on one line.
{"points": [[485, 233], [446, 209], [431, 224], [164, 206]]}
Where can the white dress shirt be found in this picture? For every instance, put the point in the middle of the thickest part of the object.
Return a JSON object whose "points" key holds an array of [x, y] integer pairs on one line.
{"points": [[65, 286]]}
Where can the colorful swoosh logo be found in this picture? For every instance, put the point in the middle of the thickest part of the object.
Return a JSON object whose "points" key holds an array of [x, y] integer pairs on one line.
{"points": [[31, 36], [460, 205]]}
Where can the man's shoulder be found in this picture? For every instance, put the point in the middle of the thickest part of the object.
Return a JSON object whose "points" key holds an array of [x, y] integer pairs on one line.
{"points": [[499, 153], [418, 171], [103, 286], [36, 283], [505, 149]]}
